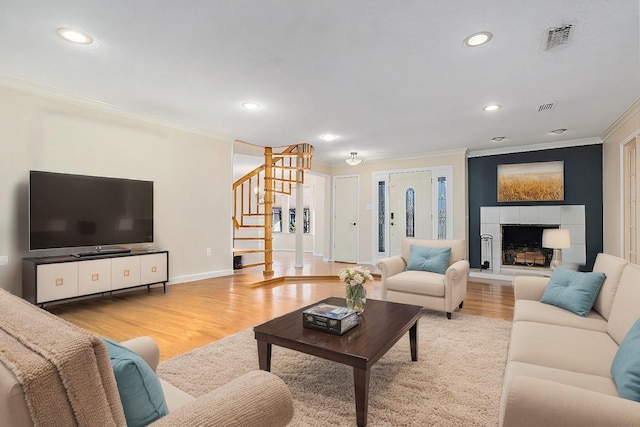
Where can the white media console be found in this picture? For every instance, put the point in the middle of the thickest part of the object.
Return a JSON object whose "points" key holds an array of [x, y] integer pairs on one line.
{"points": [[49, 279]]}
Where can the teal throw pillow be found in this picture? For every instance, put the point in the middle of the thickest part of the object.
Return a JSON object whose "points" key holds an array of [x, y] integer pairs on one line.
{"points": [[140, 390], [573, 290], [424, 258], [625, 368]]}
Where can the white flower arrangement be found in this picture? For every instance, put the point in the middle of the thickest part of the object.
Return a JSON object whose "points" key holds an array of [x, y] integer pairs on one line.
{"points": [[355, 278], [357, 275]]}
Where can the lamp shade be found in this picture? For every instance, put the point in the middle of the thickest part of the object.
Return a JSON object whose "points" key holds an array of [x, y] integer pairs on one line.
{"points": [[353, 160], [556, 238]]}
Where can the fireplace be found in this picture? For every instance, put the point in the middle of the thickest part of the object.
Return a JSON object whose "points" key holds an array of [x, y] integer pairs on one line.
{"points": [[522, 246], [494, 218]]}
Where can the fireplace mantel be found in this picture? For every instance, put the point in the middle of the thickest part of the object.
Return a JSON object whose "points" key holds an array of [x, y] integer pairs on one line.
{"points": [[571, 217]]}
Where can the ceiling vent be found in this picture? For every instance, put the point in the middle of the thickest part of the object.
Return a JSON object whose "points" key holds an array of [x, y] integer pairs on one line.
{"points": [[546, 107], [556, 36]]}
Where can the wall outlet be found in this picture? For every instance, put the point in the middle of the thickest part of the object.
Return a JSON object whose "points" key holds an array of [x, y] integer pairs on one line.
{"points": [[208, 251], [4, 260]]}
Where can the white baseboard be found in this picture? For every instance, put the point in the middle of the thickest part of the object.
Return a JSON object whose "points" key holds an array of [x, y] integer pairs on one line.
{"points": [[199, 276]]}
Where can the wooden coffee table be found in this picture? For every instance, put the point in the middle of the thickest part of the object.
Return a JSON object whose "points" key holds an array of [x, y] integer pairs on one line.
{"points": [[381, 326]]}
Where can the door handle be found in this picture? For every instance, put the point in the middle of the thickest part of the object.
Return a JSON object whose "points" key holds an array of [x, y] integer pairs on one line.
{"points": [[353, 223]]}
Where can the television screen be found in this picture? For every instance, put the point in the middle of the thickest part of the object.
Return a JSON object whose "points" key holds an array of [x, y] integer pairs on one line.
{"points": [[68, 211]]}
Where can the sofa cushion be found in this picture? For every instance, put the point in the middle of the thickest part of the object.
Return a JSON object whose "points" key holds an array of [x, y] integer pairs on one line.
{"points": [[140, 390], [562, 347], [596, 383], [535, 311], [573, 290], [625, 368], [424, 258], [417, 282], [175, 397], [612, 267], [625, 309]]}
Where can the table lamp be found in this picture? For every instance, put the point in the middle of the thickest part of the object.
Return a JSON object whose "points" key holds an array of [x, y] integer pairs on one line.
{"points": [[556, 239]]}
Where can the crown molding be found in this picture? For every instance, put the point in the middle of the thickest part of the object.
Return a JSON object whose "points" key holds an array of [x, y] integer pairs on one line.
{"points": [[536, 147], [70, 98], [390, 157], [625, 117]]}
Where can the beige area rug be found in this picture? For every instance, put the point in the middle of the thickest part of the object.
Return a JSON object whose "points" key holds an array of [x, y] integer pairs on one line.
{"points": [[456, 381]]}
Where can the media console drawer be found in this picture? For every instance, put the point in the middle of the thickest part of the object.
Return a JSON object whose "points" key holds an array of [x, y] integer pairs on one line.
{"points": [[57, 281], [57, 278], [153, 268]]}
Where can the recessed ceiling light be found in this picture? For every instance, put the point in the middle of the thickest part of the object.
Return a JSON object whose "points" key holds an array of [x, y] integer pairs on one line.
{"points": [[498, 139], [328, 137], [477, 39], [250, 105], [75, 36], [493, 107], [559, 131]]}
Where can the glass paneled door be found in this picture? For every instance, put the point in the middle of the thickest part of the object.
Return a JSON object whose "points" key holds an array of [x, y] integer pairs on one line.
{"points": [[410, 207]]}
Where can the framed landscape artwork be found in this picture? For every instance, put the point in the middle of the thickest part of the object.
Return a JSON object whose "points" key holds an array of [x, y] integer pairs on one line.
{"points": [[529, 182]]}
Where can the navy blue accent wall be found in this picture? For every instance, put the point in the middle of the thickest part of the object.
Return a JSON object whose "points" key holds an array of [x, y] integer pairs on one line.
{"points": [[582, 186]]}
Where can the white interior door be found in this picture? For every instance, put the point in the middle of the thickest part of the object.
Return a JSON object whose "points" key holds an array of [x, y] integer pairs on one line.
{"points": [[410, 207], [345, 225]]}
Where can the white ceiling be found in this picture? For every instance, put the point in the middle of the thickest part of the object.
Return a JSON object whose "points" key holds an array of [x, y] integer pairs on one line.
{"points": [[391, 77]]}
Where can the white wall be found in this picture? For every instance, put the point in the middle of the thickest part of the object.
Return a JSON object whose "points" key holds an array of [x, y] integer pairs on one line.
{"points": [[190, 173], [457, 160]]}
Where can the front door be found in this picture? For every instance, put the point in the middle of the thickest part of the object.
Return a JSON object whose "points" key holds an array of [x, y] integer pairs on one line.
{"points": [[410, 208]]}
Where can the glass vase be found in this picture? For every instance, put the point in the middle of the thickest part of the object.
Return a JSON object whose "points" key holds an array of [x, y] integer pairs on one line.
{"points": [[356, 297]]}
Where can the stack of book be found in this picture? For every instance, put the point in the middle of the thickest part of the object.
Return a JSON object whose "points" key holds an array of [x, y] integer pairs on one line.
{"points": [[330, 318]]}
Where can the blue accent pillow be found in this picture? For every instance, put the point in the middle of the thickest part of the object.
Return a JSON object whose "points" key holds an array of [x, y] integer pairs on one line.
{"points": [[625, 368], [573, 290], [140, 390], [423, 258]]}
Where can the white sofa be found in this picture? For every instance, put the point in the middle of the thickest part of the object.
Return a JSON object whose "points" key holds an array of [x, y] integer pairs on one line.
{"points": [[558, 365], [440, 292]]}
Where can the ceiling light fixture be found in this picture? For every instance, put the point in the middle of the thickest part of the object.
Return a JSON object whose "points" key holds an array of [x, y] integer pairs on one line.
{"points": [[498, 139], [250, 105], [477, 39], [353, 160], [558, 131], [75, 36], [328, 137], [492, 107]]}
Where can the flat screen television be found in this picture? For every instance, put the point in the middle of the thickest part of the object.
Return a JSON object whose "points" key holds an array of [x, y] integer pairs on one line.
{"points": [[72, 211]]}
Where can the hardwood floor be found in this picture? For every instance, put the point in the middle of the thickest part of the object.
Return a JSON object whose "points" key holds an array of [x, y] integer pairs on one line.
{"points": [[193, 314]]}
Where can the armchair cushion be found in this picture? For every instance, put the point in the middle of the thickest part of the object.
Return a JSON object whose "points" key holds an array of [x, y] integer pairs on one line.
{"points": [[625, 368], [140, 390], [417, 282], [573, 290], [424, 258]]}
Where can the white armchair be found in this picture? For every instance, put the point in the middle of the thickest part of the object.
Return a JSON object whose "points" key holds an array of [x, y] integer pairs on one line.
{"points": [[434, 291]]}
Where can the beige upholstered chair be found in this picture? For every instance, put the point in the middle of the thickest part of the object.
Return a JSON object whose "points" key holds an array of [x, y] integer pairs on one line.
{"points": [[70, 380], [434, 291]]}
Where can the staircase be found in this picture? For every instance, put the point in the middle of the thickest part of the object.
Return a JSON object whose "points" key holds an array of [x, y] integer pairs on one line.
{"points": [[253, 198]]}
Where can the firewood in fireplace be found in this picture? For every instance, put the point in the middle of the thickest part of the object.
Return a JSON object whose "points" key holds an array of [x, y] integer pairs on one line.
{"points": [[529, 258]]}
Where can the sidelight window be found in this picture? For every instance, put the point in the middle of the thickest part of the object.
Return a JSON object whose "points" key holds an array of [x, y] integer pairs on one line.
{"points": [[381, 216], [442, 207]]}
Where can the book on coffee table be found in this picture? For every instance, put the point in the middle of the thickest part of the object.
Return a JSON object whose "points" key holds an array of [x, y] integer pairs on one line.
{"points": [[330, 318]]}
